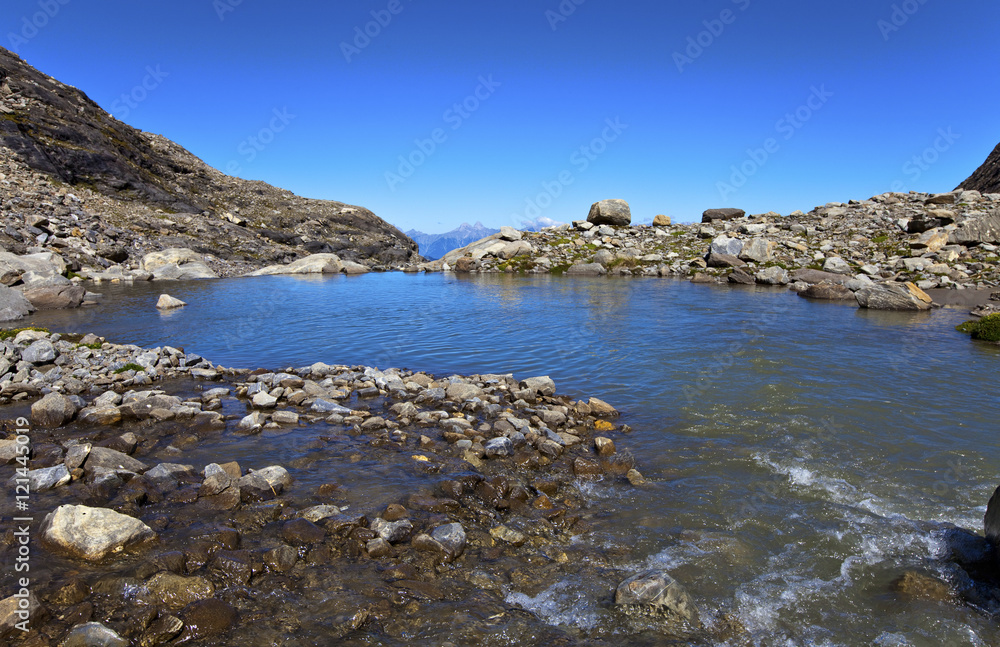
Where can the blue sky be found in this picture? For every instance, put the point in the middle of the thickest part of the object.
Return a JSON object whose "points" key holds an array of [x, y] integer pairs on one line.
{"points": [[445, 112]]}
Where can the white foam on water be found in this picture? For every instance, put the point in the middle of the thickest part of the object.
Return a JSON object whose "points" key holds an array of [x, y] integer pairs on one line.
{"points": [[560, 604]]}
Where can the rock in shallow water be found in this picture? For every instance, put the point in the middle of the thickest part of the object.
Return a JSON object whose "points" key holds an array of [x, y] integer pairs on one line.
{"points": [[167, 302], [92, 533], [54, 410], [93, 634], [657, 592]]}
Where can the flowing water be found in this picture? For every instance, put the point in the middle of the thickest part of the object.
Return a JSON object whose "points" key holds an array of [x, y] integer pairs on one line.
{"points": [[802, 455]]}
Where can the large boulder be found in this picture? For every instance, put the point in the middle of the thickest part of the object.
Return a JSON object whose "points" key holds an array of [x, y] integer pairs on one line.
{"points": [[655, 592], [976, 231], [54, 410], [92, 533], [315, 264], [726, 245], [587, 269], [176, 264], [827, 292], [55, 297], [772, 276], [894, 297], [13, 304], [711, 215], [816, 276], [758, 250], [610, 212], [12, 266]]}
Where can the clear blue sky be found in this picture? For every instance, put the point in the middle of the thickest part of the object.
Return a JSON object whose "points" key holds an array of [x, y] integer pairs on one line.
{"points": [[884, 80]]}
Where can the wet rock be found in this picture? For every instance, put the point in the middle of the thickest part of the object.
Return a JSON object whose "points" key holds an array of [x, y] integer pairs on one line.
{"points": [[451, 537], [264, 484], [281, 559], [92, 533], [113, 460], [302, 532], [263, 400], [285, 418], [19, 611], [656, 592], [53, 410], [392, 531], [378, 548], [319, 512], [167, 302], [587, 468], [206, 619], [251, 424], [498, 448], [601, 408], [216, 480], [508, 535], [176, 591], [991, 520], [635, 478], [604, 446], [45, 478], [161, 631], [923, 587], [326, 407], [610, 212], [70, 593], [93, 634]]}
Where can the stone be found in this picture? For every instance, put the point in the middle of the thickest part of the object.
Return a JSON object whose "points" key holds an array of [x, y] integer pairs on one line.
{"points": [[285, 418], [837, 265], [941, 198], [176, 591], [603, 257], [55, 297], [324, 406], [740, 277], [923, 587], [53, 410], [13, 304], [263, 400], [711, 215], [772, 276], [161, 631], [452, 537], [723, 260], [893, 297], [350, 267], [725, 245], [107, 458], [15, 610], [587, 269], [604, 446], [251, 423], [543, 385], [661, 221], [302, 532], [392, 531], [930, 241], [319, 512], [813, 277], [610, 212], [206, 619], [314, 264], [92, 533], [601, 408], [509, 233], [827, 292], [508, 535], [39, 352], [758, 250], [460, 392], [167, 302], [217, 480], [656, 591], [498, 447], [93, 634], [45, 478]]}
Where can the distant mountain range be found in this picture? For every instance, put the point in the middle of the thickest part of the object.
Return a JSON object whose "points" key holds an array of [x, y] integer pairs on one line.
{"points": [[434, 246]]}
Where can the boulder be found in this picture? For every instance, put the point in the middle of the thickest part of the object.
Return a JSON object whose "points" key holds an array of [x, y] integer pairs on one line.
{"points": [[112, 459], [55, 297], [726, 245], [205, 619], [509, 233], [772, 276], [930, 241], [167, 302], [723, 260], [350, 267], [977, 231], [656, 592], [816, 276], [53, 410], [39, 352], [176, 591], [739, 277], [13, 304], [610, 212], [173, 256], [185, 272], [314, 264], [828, 292], [93, 634], [758, 250], [711, 215], [894, 297], [19, 609], [661, 221], [92, 533], [587, 269], [542, 385], [837, 265]]}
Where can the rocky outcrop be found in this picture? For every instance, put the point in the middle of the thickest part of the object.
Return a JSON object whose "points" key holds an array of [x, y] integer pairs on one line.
{"points": [[104, 193], [314, 264], [986, 178]]}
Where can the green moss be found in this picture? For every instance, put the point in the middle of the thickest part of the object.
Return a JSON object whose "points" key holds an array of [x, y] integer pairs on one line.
{"points": [[12, 333], [880, 239], [95, 346], [986, 329], [559, 270], [130, 367], [73, 275]]}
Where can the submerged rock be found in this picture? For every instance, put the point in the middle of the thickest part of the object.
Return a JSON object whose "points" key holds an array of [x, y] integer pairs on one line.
{"points": [[656, 592]]}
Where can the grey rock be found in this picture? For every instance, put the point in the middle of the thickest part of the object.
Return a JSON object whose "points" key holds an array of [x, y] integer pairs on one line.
{"points": [[610, 212], [893, 297], [392, 531], [977, 231], [827, 292], [658, 592], [498, 447], [723, 260], [45, 478], [459, 392], [93, 634], [13, 305], [603, 256], [837, 265], [55, 297], [53, 410], [167, 302], [324, 406], [711, 215], [587, 269], [542, 385], [758, 250], [452, 537], [112, 460], [772, 276], [509, 233], [726, 245], [39, 352], [816, 276], [92, 533]]}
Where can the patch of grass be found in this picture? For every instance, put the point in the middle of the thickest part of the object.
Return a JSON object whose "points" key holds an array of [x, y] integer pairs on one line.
{"points": [[72, 275], [12, 333], [130, 367], [880, 239], [559, 270], [95, 346]]}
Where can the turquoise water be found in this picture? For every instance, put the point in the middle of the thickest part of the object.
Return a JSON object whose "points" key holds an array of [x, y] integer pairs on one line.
{"points": [[802, 455]]}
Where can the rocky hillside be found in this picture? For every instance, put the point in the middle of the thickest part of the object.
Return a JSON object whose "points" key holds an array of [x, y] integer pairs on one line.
{"points": [[121, 191], [986, 179], [947, 240]]}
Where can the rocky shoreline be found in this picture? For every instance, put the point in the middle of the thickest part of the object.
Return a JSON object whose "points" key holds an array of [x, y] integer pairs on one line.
{"points": [[143, 548]]}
